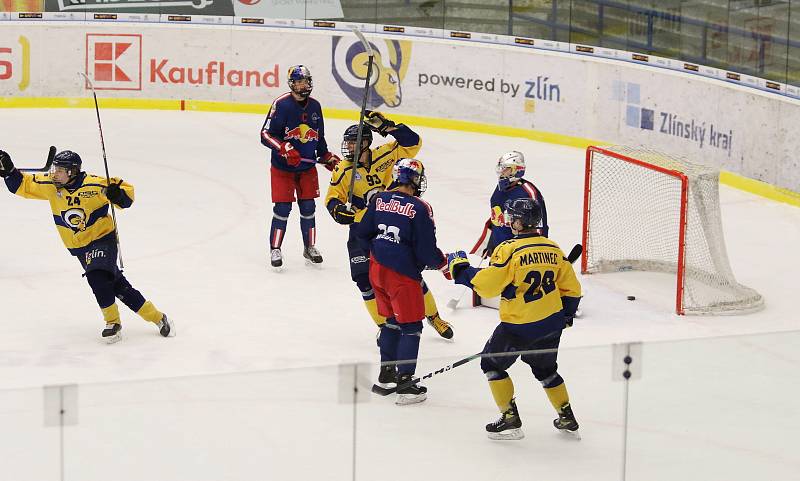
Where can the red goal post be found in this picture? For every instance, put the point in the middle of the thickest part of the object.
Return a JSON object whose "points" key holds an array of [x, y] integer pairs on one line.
{"points": [[645, 210]]}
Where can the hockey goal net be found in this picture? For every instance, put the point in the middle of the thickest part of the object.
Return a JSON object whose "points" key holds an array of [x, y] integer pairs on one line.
{"points": [[649, 211]]}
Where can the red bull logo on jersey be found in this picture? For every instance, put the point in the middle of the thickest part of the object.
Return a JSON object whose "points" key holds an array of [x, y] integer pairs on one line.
{"points": [[302, 132], [395, 207], [390, 64]]}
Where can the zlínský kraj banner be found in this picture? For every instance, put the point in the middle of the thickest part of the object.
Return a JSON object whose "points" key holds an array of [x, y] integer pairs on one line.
{"points": [[735, 128]]}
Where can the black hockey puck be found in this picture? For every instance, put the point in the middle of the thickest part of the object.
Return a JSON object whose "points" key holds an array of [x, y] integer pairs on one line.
{"points": [[631, 298]]}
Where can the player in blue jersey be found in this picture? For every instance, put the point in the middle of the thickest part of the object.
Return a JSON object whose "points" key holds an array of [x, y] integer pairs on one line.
{"points": [[295, 131], [510, 185], [80, 206], [539, 296], [398, 231]]}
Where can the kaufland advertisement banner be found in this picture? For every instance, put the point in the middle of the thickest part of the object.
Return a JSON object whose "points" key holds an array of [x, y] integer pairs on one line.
{"points": [[735, 128]]}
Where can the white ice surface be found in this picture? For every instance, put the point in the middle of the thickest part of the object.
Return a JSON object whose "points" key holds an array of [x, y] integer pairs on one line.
{"points": [[195, 243]]}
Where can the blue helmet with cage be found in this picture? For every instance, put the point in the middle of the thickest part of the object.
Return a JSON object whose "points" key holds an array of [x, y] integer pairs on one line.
{"points": [[527, 211], [410, 172], [298, 73], [510, 169]]}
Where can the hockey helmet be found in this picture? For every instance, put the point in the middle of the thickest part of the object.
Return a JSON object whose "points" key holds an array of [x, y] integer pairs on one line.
{"points": [[350, 138], [300, 72], [70, 162], [410, 172], [510, 169], [527, 211]]}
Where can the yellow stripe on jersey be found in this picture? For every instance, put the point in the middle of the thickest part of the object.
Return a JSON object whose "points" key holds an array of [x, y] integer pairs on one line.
{"points": [[531, 275], [81, 215], [368, 181]]}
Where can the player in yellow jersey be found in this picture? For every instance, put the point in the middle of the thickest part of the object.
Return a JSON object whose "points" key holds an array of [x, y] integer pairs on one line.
{"points": [[80, 207], [373, 174], [539, 295]]}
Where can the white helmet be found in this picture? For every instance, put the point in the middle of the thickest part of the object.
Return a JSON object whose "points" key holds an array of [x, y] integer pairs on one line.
{"points": [[510, 168]]}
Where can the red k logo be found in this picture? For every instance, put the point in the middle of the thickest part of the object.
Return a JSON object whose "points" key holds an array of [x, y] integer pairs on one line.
{"points": [[114, 62]]}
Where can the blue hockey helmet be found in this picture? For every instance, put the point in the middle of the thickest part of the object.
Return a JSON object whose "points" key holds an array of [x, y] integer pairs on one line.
{"points": [[527, 211], [510, 169], [410, 172], [300, 72], [70, 162], [350, 138]]}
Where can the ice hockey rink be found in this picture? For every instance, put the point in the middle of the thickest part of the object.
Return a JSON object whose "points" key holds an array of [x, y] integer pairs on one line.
{"points": [[251, 387]]}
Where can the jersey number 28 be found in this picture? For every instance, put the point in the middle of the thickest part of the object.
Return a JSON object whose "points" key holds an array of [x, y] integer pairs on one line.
{"points": [[541, 284]]}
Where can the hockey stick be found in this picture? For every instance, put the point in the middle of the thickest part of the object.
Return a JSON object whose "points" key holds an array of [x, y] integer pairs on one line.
{"points": [[48, 163], [357, 154], [573, 255], [105, 163], [385, 391]]}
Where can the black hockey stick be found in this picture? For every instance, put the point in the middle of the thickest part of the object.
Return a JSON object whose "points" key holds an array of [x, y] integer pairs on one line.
{"points": [[357, 153], [573, 256], [49, 163], [105, 163], [385, 391]]}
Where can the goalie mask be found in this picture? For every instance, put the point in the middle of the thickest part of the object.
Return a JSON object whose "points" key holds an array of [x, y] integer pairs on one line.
{"points": [[297, 75], [510, 169], [410, 172], [351, 137], [527, 211], [66, 167]]}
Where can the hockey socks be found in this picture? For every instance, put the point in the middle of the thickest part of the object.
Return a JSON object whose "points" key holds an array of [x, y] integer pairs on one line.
{"points": [[408, 347], [388, 341], [111, 314], [558, 396], [503, 393], [149, 313], [372, 308]]}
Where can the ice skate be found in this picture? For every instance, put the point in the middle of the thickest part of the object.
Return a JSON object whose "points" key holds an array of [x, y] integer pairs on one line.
{"points": [[566, 422], [410, 394], [508, 427], [312, 255], [387, 377], [276, 259], [166, 327], [112, 333], [442, 327]]}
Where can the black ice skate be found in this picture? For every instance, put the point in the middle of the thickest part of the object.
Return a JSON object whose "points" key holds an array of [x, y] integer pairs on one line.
{"points": [[410, 394], [509, 426], [312, 255], [166, 327], [276, 258], [388, 376], [566, 422], [442, 327], [112, 333]]}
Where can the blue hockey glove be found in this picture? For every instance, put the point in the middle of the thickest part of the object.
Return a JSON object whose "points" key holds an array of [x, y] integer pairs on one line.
{"points": [[456, 262]]}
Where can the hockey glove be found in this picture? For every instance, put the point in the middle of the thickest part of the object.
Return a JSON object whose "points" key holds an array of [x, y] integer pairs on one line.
{"points": [[456, 262], [342, 215], [291, 154], [445, 270], [329, 160], [6, 165], [377, 122], [114, 193]]}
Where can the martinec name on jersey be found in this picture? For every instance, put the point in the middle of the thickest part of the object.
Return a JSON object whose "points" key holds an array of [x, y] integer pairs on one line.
{"points": [[373, 174], [399, 233], [80, 203], [539, 296]]}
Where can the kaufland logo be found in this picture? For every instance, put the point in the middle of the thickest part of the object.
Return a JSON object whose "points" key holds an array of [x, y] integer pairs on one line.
{"points": [[114, 61]]}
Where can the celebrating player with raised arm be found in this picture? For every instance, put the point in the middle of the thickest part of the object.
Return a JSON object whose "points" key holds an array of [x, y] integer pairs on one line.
{"points": [[510, 185], [295, 131], [398, 231], [539, 295], [80, 206], [373, 175]]}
